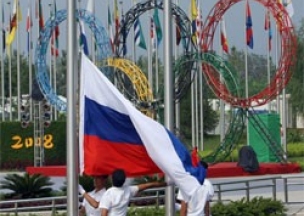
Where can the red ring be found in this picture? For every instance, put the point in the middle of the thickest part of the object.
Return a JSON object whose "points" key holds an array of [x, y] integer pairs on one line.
{"points": [[286, 62]]}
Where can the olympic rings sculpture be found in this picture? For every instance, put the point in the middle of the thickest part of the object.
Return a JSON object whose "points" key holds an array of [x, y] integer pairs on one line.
{"points": [[287, 60], [102, 42]]}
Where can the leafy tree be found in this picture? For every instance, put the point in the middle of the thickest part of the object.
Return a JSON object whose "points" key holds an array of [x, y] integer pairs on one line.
{"points": [[27, 186], [296, 84]]}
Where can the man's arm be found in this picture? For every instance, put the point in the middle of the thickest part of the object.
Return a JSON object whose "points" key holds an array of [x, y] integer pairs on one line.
{"points": [[91, 200], [82, 211], [207, 209], [183, 210], [88, 198], [104, 212], [145, 186]]}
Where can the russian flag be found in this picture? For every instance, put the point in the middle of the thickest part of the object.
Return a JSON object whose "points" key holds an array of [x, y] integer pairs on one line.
{"points": [[114, 134]]}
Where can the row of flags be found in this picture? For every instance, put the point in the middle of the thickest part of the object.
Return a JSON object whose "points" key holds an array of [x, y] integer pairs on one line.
{"points": [[139, 39]]}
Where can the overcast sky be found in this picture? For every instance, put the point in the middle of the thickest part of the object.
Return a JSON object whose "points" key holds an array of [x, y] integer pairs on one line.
{"points": [[235, 20]]}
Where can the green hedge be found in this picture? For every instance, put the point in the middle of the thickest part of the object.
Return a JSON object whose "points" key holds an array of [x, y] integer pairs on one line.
{"points": [[17, 145], [256, 206]]}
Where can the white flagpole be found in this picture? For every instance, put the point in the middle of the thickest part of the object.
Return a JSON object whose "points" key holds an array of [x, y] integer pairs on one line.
{"points": [[54, 61], [18, 65], [177, 104], [10, 72], [51, 58], [150, 53], [72, 149], [268, 56], [169, 193], [30, 60], [222, 105], [2, 66], [246, 78]]}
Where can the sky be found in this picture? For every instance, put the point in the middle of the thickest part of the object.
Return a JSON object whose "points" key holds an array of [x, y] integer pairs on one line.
{"points": [[234, 18]]}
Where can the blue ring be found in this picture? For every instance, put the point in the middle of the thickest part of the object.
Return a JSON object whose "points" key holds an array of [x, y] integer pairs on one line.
{"points": [[102, 42]]}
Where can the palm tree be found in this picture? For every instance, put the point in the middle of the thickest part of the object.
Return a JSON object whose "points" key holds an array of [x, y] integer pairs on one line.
{"points": [[27, 186]]}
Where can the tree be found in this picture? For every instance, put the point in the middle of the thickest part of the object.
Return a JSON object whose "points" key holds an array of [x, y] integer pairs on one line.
{"points": [[27, 186], [296, 84]]}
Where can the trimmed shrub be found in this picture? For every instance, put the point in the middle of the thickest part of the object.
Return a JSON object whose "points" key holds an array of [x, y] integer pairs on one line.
{"points": [[257, 206]]}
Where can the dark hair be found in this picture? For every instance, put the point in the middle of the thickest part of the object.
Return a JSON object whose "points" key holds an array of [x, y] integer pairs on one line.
{"points": [[118, 177], [204, 164]]}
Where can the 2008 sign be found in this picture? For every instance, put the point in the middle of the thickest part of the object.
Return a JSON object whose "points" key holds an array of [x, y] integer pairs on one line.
{"points": [[28, 142]]}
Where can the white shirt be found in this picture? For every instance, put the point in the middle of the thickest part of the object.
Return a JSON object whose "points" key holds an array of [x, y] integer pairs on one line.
{"points": [[116, 200], [196, 205], [90, 210]]}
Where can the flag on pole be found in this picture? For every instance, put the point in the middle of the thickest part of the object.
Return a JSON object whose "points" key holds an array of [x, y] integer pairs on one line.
{"points": [[17, 17], [199, 28], [110, 28], [153, 34], [178, 30], [249, 31], [55, 33], [224, 41], [113, 133], [158, 29], [267, 27], [138, 35], [82, 39], [116, 17], [29, 25], [194, 14], [3, 29], [40, 15]]}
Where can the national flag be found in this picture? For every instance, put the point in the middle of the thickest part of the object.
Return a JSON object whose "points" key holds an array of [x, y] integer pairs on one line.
{"points": [[224, 41], [199, 29], [17, 17], [116, 17], [194, 14], [55, 33], [158, 29], [249, 31], [139, 38], [29, 25], [3, 29], [40, 15], [82, 38], [178, 30], [110, 29], [153, 34], [114, 134], [267, 27]]}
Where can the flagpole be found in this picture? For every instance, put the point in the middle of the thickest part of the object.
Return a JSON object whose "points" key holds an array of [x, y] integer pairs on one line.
{"points": [[30, 59], [2, 65], [51, 56], [169, 197], [72, 149], [222, 105], [18, 65], [246, 78], [10, 72], [54, 59], [133, 36], [268, 55], [177, 103], [150, 53]]}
